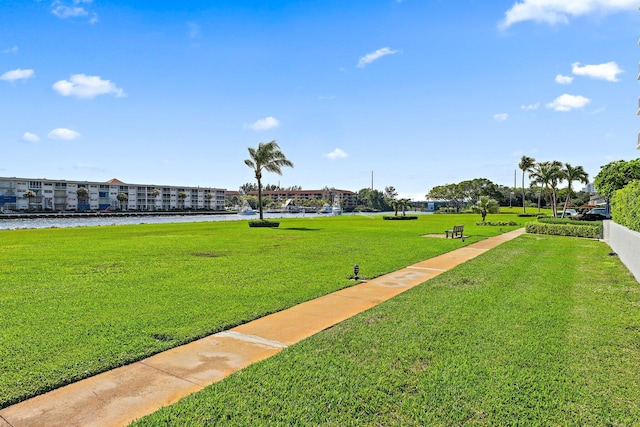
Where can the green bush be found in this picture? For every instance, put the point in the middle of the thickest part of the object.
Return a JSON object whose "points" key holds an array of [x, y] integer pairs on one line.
{"points": [[591, 230], [625, 206], [398, 218], [527, 214], [497, 223], [263, 223]]}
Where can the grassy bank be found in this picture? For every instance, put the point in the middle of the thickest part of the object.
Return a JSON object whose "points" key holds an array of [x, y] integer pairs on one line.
{"points": [[74, 302], [543, 330]]}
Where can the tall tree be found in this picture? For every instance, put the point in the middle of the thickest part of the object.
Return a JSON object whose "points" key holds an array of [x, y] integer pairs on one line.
{"points": [[123, 198], [267, 157], [83, 194], [556, 176], [546, 175], [526, 164], [615, 175], [29, 194], [573, 174]]}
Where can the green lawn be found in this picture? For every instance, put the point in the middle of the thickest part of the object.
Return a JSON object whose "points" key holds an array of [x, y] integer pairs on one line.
{"points": [[540, 331], [75, 302]]}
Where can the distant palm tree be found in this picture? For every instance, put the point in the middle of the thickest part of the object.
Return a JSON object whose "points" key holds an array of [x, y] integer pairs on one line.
{"points": [[526, 164], [266, 157], [547, 175], [155, 193], [208, 197], [404, 204], [83, 194], [123, 198], [182, 195], [486, 206], [29, 194], [556, 176], [573, 174]]}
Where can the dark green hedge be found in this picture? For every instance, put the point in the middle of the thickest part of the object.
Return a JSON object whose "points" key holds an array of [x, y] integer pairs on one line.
{"points": [[591, 230], [398, 218], [625, 206], [568, 221], [263, 223], [497, 223]]}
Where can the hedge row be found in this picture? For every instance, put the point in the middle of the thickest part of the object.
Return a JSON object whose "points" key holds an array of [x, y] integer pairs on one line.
{"points": [[497, 223], [625, 206], [573, 230], [568, 221]]}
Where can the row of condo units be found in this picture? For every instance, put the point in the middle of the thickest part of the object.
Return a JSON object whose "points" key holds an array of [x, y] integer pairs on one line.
{"points": [[61, 195], [347, 199]]}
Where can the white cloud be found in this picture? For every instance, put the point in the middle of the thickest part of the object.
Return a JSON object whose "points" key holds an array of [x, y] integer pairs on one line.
{"points": [[554, 12], [501, 117], [336, 154], [64, 12], [264, 124], [568, 102], [63, 134], [13, 49], [19, 74], [563, 80], [194, 30], [370, 57], [608, 71], [530, 107], [82, 86], [74, 9], [30, 137]]}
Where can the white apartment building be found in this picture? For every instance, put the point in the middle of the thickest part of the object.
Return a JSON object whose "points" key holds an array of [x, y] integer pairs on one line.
{"points": [[61, 195]]}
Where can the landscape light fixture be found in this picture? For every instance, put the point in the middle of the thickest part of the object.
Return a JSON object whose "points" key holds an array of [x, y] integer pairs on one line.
{"points": [[356, 270]]}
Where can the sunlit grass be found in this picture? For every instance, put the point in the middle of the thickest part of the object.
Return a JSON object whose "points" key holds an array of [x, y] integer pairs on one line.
{"points": [[74, 302], [540, 331]]}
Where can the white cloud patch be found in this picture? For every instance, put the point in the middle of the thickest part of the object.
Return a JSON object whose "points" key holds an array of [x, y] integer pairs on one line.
{"points": [[74, 9], [370, 57], [63, 134], [336, 154], [19, 74], [264, 124], [563, 80], [194, 30], [83, 86], [608, 71], [30, 137], [554, 12], [501, 117], [567, 102], [530, 107], [13, 49]]}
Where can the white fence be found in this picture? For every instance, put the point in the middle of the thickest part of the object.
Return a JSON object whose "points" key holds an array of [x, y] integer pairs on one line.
{"points": [[626, 243]]}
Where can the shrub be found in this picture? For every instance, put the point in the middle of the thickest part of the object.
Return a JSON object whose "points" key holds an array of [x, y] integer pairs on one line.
{"points": [[263, 223], [528, 214], [592, 230], [625, 206], [390, 218], [569, 221], [497, 223]]}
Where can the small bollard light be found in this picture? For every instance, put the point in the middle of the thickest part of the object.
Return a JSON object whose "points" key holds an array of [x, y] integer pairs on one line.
{"points": [[356, 270]]}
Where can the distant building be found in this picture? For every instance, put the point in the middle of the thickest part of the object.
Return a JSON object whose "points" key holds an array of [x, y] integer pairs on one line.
{"points": [[590, 188], [62, 195], [347, 199]]}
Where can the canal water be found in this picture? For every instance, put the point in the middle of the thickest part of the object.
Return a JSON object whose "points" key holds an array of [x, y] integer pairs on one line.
{"points": [[13, 224]]}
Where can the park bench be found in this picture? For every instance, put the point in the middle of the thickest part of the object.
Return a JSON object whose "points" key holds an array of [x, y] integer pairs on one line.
{"points": [[456, 231]]}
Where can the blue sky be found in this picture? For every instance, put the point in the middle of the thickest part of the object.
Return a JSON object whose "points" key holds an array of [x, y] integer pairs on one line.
{"points": [[419, 92]]}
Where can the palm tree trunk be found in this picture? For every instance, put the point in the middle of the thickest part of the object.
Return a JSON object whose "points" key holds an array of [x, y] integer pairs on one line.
{"points": [[524, 207], [260, 198]]}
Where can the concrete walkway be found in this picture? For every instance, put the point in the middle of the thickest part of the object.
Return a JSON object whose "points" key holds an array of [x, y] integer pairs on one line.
{"points": [[117, 397]]}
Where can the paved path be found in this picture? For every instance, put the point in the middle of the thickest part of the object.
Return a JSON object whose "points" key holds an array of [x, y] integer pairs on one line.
{"points": [[117, 397]]}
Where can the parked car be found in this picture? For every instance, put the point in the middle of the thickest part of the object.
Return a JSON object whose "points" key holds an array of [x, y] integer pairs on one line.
{"points": [[595, 214], [568, 213]]}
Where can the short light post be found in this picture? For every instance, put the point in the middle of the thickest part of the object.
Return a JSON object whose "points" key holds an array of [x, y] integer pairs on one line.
{"points": [[356, 270]]}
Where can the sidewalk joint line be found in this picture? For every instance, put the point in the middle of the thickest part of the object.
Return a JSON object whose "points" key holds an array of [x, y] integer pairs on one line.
{"points": [[169, 373]]}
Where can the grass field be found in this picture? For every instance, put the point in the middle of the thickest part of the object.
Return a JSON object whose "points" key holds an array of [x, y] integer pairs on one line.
{"points": [[540, 331], [75, 302]]}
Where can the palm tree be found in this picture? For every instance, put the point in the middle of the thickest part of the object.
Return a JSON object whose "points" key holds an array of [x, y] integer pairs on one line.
{"points": [[29, 194], [155, 193], [123, 198], [573, 174], [404, 204], [208, 198], [547, 175], [526, 165], [83, 194], [182, 195], [486, 205], [266, 157]]}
